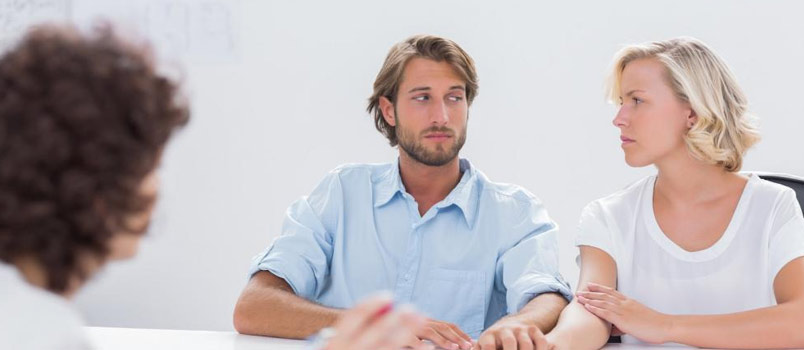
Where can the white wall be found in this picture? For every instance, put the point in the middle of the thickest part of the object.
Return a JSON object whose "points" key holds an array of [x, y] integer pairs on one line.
{"points": [[290, 105]]}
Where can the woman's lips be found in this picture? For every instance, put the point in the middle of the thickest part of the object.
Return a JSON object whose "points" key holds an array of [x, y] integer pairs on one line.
{"points": [[626, 140]]}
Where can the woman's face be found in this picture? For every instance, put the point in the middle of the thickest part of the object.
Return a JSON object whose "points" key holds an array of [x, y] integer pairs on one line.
{"points": [[124, 245], [652, 119]]}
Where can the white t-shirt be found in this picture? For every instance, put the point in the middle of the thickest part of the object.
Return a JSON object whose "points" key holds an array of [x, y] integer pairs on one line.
{"points": [[36, 319], [735, 274]]}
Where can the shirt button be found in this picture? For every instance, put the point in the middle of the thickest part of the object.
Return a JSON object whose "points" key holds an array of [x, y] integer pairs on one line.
{"points": [[407, 277]]}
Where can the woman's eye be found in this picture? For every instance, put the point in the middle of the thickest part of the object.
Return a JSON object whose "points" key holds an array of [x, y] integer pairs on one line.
{"points": [[637, 100]]}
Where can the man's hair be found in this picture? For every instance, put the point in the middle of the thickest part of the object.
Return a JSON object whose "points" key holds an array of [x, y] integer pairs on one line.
{"points": [[390, 77], [83, 120], [725, 128]]}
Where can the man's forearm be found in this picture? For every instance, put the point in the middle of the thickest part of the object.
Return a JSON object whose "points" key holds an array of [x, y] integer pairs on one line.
{"points": [[542, 311], [579, 329], [269, 307]]}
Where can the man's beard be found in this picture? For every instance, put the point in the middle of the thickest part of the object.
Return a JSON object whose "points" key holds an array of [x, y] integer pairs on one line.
{"points": [[420, 153]]}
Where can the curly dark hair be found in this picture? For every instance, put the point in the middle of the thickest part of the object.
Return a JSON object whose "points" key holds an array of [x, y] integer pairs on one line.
{"points": [[83, 120]]}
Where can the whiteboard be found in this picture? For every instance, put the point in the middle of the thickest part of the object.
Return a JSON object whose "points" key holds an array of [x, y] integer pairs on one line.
{"points": [[190, 30], [16, 16]]}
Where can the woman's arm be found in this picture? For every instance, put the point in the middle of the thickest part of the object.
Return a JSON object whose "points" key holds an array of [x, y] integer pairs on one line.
{"points": [[771, 327], [776, 326], [577, 328]]}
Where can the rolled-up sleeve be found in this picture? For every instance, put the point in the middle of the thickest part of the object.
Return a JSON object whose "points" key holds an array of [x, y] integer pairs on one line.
{"points": [[301, 255], [530, 267]]}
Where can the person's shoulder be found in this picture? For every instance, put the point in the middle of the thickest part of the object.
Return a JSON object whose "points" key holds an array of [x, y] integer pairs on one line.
{"points": [[768, 189], [35, 317], [513, 211], [506, 192], [778, 202], [353, 174], [625, 199], [33, 302], [360, 170]]}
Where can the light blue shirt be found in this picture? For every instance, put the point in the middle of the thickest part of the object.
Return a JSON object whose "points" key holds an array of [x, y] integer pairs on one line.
{"points": [[484, 251]]}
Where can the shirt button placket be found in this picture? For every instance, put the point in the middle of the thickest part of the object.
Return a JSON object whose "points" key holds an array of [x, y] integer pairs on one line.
{"points": [[408, 268]]}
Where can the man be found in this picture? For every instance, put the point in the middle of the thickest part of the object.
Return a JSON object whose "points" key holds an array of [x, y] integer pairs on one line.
{"points": [[429, 227]]}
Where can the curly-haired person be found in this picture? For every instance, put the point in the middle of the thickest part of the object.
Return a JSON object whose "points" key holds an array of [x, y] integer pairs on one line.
{"points": [[83, 122], [84, 119]]}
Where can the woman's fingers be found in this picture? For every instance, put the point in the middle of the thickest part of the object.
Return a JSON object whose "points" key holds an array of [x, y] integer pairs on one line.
{"points": [[599, 296], [594, 287]]}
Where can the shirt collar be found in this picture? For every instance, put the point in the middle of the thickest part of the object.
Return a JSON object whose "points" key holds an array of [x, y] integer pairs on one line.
{"points": [[387, 185], [464, 195]]}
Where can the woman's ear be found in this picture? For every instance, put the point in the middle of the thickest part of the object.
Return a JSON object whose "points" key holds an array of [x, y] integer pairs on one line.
{"points": [[692, 118]]}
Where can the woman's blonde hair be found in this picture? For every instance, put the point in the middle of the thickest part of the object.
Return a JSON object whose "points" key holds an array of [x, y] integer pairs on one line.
{"points": [[725, 129]]}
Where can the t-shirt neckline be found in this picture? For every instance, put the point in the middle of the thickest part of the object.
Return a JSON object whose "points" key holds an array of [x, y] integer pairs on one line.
{"points": [[708, 253]]}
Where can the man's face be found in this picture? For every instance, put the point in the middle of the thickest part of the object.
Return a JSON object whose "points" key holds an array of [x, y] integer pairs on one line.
{"points": [[430, 113]]}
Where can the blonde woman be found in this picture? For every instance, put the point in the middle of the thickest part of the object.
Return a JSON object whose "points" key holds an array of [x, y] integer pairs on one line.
{"points": [[696, 254]]}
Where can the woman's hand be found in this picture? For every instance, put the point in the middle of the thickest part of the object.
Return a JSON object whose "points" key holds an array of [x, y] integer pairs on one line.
{"points": [[627, 315]]}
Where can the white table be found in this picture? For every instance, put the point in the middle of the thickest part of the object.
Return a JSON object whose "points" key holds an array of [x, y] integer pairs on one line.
{"points": [[106, 338]]}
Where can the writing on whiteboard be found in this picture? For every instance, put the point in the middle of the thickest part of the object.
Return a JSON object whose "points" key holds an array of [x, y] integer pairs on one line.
{"points": [[17, 16]]}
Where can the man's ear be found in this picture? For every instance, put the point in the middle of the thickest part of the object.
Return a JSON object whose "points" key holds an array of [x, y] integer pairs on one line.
{"points": [[387, 109]]}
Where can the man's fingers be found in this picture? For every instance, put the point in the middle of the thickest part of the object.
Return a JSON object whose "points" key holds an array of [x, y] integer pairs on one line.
{"points": [[460, 332], [523, 340], [454, 334], [507, 339], [486, 341], [542, 344], [430, 333], [466, 338], [538, 338], [413, 342]]}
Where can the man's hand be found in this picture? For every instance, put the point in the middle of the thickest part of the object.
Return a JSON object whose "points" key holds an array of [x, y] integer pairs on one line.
{"points": [[443, 334], [626, 314], [512, 334]]}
